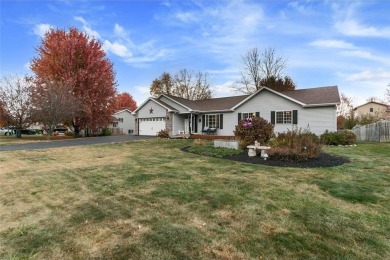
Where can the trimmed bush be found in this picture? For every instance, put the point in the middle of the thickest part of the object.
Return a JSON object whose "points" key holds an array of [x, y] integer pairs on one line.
{"points": [[296, 145], [163, 134], [106, 132], [254, 129], [338, 138]]}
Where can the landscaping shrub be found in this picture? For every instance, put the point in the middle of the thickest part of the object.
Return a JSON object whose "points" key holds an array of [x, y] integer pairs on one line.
{"points": [[106, 132], [254, 129], [200, 142], [163, 134], [338, 138], [296, 145]]}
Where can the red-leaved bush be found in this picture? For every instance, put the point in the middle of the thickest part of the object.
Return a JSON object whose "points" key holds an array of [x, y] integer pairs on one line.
{"points": [[296, 145], [254, 129]]}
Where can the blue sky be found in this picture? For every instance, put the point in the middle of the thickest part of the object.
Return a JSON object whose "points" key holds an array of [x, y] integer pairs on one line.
{"points": [[344, 43]]}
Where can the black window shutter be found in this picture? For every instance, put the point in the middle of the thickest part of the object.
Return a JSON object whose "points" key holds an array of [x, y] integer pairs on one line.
{"points": [[239, 117], [272, 117], [295, 117], [221, 121], [203, 121], [257, 114]]}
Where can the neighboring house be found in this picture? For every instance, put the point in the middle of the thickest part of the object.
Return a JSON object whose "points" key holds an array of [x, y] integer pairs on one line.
{"points": [[373, 108], [313, 109], [123, 122]]}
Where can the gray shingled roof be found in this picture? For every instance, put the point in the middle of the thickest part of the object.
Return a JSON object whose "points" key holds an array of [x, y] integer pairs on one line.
{"points": [[314, 96], [311, 96], [213, 104]]}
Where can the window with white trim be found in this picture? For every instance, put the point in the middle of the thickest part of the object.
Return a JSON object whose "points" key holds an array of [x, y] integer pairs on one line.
{"points": [[283, 117], [248, 115], [212, 121], [115, 124]]}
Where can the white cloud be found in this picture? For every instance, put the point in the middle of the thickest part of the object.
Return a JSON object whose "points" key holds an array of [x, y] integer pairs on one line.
{"points": [[117, 49], [352, 27], [119, 31], [140, 94], [338, 44], [369, 75], [87, 29], [136, 54], [186, 17], [219, 27], [225, 89], [41, 29]]}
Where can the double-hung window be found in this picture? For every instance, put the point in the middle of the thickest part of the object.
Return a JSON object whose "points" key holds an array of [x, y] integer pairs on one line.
{"points": [[248, 115], [212, 121], [283, 117]]}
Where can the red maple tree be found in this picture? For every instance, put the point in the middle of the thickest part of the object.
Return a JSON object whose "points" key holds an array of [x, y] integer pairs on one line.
{"points": [[73, 59], [125, 100]]}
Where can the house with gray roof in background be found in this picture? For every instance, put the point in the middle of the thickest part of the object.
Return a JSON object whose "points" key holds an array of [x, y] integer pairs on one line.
{"points": [[313, 109]]}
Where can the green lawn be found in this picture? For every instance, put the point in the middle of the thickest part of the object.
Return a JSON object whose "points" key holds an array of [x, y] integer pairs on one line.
{"points": [[150, 200]]}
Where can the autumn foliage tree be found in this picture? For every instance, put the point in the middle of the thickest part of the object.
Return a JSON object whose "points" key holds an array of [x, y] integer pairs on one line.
{"points": [[125, 100], [73, 59], [162, 85]]}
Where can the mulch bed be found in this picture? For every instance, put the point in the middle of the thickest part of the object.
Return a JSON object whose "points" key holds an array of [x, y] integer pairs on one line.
{"points": [[323, 160]]}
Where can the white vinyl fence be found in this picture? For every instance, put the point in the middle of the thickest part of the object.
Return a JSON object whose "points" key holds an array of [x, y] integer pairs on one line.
{"points": [[376, 132]]}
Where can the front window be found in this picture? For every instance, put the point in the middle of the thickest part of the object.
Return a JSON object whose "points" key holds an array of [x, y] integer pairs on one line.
{"points": [[212, 121], [283, 117], [115, 124], [371, 109], [248, 115]]}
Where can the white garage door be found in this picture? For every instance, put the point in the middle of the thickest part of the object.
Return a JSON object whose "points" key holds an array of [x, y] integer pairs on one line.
{"points": [[151, 126]]}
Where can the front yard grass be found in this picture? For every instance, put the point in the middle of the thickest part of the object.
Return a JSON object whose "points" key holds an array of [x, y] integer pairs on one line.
{"points": [[150, 200]]}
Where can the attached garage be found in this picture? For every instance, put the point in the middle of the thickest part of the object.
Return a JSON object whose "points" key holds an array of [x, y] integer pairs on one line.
{"points": [[151, 126]]}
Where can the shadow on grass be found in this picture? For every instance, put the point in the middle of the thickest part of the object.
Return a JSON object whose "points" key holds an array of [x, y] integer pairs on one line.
{"points": [[352, 191]]}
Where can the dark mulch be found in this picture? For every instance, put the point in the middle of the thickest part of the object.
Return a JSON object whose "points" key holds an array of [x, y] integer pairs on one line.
{"points": [[323, 160]]}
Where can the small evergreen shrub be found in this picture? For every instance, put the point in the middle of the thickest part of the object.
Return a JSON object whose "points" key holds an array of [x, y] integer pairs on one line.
{"points": [[296, 145], [338, 138], [163, 134], [106, 132], [254, 129]]}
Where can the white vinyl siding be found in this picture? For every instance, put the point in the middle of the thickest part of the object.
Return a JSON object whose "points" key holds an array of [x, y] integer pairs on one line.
{"points": [[316, 119], [158, 111], [125, 121]]}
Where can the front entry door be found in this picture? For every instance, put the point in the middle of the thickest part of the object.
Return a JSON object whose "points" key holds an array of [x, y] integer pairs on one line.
{"points": [[186, 126]]}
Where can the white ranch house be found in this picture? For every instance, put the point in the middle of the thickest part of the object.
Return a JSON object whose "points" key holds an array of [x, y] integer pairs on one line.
{"points": [[313, 109]]}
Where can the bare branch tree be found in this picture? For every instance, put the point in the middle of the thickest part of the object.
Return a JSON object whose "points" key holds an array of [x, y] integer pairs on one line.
{"points": [[259, 66], [345, 108], [185, 84], [54, 104], [193, 86], [15, 94]]}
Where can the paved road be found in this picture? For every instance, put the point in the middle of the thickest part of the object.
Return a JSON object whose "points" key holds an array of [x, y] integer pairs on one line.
{"points": [[73, 142]]}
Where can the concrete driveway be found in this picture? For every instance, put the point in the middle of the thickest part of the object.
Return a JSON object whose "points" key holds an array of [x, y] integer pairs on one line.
{"points": [[73, 142]]}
